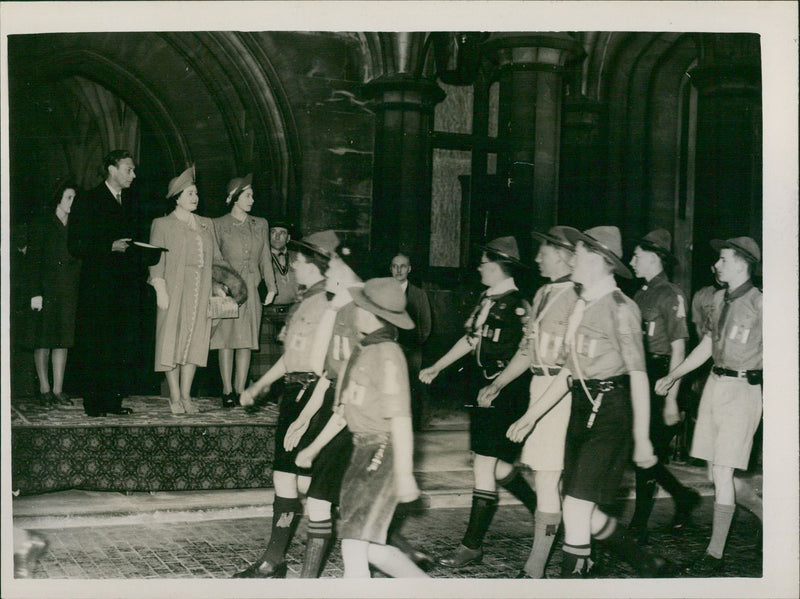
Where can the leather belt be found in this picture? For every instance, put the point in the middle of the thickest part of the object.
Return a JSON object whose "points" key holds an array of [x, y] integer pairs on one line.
{"points": [[277, 308], [302, 378], [545, 371], [602, 385], [750, 375]]}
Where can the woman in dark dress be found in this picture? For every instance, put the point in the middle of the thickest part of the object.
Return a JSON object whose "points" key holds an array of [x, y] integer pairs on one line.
{"points": [[54, 295]]}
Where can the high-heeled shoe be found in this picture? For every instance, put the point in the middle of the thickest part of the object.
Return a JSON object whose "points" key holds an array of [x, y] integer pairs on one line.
{"points": [[176, 406], [229, 400], [189, 406]]}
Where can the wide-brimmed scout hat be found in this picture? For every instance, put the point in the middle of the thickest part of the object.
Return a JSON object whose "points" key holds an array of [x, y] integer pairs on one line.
{"points": [[384, 297], [555, 236], [323, 243], [605, 240], [238, 184], [181, 182], [506, 248], [746, 246], [659, 242]]}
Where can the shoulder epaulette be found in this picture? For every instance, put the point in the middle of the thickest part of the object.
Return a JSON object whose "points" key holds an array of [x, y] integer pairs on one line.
{"points": [[619, 297]]}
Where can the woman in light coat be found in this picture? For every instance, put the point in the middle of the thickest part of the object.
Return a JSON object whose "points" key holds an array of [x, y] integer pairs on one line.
{"points": [[182, 280], [244, 243]]}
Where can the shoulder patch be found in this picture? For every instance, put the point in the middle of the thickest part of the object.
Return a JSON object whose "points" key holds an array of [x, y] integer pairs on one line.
{"points": [[619, 297], [681, 308]]}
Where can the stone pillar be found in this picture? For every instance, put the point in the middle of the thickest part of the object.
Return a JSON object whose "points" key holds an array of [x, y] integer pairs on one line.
{"points": [[728, 179], [530, 70], [401, 187], [583, 163]]}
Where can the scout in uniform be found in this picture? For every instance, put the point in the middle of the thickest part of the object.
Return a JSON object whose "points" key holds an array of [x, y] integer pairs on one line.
{"points": [[299, 368], [605, 370], [493, 334], [543, 351], [731, 405], [375, 404], [663, 308]]}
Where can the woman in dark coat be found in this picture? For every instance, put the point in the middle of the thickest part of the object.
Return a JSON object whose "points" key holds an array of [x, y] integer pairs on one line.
{"points": [[54, 275]]}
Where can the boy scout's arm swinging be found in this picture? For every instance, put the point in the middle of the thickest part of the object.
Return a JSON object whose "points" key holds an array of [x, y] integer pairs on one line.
{"points": [[694, 360], [554, 393], [461, 348], [403, 445], [640, 400]]}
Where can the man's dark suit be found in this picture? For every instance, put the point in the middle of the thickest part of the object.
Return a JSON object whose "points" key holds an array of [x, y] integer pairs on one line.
{"points": [[108, 326], [419, 309]]}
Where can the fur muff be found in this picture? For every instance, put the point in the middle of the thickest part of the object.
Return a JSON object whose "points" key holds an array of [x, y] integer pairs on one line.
{"points": [[225, 275]]}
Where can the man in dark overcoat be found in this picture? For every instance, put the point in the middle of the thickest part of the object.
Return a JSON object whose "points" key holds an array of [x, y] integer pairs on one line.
{"points": [[103, 227]]}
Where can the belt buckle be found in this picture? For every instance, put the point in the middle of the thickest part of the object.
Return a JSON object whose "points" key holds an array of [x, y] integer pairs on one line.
{"points": [[605, 386]]}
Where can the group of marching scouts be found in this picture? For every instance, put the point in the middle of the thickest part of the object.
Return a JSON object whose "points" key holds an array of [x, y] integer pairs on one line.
{"points": [[574, 384]]}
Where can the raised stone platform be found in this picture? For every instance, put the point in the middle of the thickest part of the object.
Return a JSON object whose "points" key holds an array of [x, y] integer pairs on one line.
{"points": [[149, 450]]}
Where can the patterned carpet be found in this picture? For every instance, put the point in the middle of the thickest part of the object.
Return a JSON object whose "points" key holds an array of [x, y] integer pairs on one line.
{"points": [[149, 450]]}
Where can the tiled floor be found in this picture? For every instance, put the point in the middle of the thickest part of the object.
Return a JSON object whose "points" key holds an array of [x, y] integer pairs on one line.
{"points": [[218, 548]]}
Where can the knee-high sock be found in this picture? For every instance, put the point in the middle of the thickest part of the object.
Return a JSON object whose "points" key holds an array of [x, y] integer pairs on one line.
{"points": [[484, 505], [645, 493], [319, 539], [668, 482], [723, 516], [286, 513], [545, 526], [515, 484]]}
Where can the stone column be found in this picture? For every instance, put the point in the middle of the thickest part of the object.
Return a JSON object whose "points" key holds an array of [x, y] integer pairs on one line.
{"points": [[401, 188], [728, 179], [530, 69]]}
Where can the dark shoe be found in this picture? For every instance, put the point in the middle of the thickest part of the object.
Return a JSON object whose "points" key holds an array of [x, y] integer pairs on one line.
{"points": [[61, 399], [94, 412], [462, 556], [684, 506], [46, 399], [263, 569], [228, 400], [705, 566], [119, 411], [640, 533], [423, 561]]}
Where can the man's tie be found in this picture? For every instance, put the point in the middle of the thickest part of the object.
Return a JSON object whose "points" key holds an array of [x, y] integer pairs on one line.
{"points": [[119, 198]]}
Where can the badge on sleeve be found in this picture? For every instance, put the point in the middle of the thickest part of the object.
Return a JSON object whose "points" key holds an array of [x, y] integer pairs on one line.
{"points": [[391, 384], [681, 310]]}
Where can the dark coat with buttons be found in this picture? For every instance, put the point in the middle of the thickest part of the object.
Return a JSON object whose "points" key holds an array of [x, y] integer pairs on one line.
{"points": [[54, 275]]}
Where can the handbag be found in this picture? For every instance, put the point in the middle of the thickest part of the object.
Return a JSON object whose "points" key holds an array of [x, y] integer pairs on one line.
{"points": [[222, 307]]}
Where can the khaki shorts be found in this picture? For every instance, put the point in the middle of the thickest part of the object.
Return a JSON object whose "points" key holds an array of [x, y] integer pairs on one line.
{"points": [[544, 447], [727, 419]]}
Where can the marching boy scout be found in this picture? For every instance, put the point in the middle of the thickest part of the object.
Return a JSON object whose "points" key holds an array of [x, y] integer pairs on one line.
{"points": [[493, 334], [299, 367], [543, 351], [605, 370], [376, 407], [730, 408], [663, 307]]}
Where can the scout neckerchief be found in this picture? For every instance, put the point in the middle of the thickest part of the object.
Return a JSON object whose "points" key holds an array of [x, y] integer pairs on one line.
{"points": [[481, 312], [728, 300], [601, 289], [385, 333], [549, 298], [282, 268]]}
